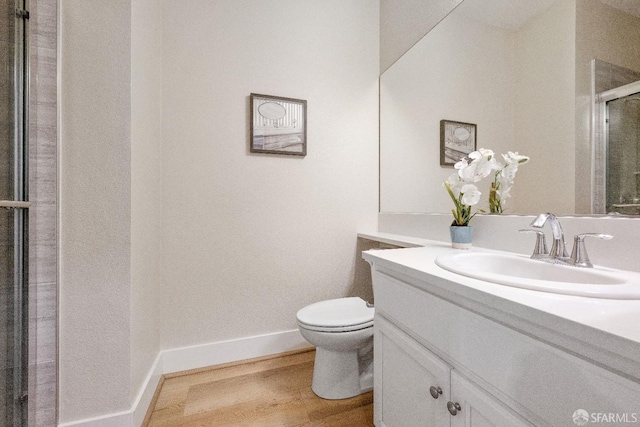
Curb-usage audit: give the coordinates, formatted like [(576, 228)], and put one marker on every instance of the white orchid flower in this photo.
[(508, 173), (477, 170), (503, 192), (468, 173), (476, 166), (453, 179), (470, 194), (461, 164), (485, 166), (516, 158), (486, 153), (474, 155), (454, 184), (505, 177), (483, 162)]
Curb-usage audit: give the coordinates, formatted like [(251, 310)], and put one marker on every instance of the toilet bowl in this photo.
[(342, 331)]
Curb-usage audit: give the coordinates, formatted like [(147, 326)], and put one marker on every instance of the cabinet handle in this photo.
[(453, 408), (435, 391)]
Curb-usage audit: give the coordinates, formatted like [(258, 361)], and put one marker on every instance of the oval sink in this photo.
[(522, 272)]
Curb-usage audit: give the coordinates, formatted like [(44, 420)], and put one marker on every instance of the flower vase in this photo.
[(461, 236)]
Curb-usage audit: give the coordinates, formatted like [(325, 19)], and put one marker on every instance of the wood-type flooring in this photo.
[(265, 392)]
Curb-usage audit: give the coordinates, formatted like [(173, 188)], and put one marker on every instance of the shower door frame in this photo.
[(599, 193), (19, 204)]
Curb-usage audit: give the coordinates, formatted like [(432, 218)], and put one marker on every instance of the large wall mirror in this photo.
[(527, 74)]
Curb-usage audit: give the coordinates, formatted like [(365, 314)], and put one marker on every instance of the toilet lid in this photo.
[(337, 313)]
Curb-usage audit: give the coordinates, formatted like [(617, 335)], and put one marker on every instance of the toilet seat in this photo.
[(336, 315)]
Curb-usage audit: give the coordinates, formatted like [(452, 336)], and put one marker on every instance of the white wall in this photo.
[(95, 201), (172, 234), (249, 239), (146, 186), (462, 71), (545, 111)]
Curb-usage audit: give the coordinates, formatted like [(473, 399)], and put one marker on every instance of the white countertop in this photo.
[(395, 239), (604, 329)]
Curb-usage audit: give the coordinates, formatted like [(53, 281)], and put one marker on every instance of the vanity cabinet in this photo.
[(414, 387), (485, 370), (406, 374), (477, 408)]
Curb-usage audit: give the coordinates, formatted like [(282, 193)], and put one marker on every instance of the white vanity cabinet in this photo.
[(489, 372), (477, 408), (406, 375), (414, 387)]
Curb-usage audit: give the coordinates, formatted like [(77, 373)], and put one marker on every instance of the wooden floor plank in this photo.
[(283, 410), (262, 393), (322, 408), (177, 387), (257, 387), (357, 417)]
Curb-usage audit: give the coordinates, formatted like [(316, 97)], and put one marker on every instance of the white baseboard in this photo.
[(199, 356), (183, 359), (148, 389), (120, 419)]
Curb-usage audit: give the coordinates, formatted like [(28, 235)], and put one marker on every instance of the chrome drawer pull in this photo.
[(453, 408), (435, 391)]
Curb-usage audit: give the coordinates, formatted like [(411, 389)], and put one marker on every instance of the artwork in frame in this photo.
[(457, 139), (278, 125)]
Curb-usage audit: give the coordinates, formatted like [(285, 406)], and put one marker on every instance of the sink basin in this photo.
[(522, 272)]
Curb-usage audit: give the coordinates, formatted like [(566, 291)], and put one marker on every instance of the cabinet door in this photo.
[(404, 373), (477, 408)]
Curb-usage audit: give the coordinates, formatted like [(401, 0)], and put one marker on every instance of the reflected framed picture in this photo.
[(278, 125), (457, 139)]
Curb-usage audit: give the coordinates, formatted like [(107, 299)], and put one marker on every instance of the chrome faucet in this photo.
[(558, 250), (558, 253)]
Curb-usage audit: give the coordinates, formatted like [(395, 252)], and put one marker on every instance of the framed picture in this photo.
[(457, 139), (278, 125)]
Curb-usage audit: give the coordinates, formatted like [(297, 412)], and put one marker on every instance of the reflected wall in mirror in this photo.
[(521, 71)]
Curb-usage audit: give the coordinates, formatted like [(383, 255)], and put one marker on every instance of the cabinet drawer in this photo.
[(541, 382)]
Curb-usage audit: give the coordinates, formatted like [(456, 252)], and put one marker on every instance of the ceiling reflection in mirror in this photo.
[(527, 74)]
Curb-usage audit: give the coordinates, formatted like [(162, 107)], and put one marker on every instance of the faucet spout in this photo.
[(559, 248)]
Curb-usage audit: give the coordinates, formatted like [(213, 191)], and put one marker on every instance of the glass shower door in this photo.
[(623, 155), (13, 213)]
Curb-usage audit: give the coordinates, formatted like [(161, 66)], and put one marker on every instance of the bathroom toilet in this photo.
[(342, 331)]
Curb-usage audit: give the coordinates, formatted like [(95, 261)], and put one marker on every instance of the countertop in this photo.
[(603, 331)]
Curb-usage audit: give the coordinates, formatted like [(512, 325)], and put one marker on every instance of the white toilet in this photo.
[(342, 331)]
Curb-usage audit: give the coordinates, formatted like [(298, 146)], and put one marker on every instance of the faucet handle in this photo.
[(579, 256), (540, 250)]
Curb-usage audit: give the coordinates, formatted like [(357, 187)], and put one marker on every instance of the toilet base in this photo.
[(342, 374)]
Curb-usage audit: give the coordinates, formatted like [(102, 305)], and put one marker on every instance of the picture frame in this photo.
[(278, 125), (457, 140)]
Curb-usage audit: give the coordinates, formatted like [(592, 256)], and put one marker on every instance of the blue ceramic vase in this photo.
[(461, 236)]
